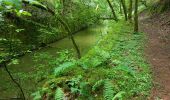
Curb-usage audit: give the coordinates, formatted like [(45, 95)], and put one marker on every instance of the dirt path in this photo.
[(158, 52)]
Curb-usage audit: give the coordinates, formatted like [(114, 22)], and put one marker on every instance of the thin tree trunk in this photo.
[(130, 10), (120, 7), (136, 17), (124, 9), (19, 86), (71, 36), (113, 11), (63, 23)]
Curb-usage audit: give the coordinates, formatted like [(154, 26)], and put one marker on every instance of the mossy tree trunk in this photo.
[(136, 17), (113, 11)]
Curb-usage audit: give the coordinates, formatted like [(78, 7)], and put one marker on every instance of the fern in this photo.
[(108, 90), (36, 95), (119, 95), (59, 94), (64, 67), (97, 84), (125, 69)]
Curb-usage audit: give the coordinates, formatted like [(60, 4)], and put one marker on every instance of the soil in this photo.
[(157, 51)]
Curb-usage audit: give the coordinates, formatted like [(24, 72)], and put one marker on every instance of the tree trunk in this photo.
[(130, 10), (71, 36), (18, 85), (113, 11), (124, 9), (120, 7), (136, 17), (63, 23)]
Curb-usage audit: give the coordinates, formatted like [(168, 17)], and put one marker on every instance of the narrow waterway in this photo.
[(85, 39)]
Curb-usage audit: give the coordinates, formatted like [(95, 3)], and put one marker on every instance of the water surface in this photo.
[(85, 39)]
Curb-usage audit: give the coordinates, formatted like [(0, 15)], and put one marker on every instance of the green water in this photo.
[(85, 39)]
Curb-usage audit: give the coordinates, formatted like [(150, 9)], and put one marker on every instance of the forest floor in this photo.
[(157, 28)]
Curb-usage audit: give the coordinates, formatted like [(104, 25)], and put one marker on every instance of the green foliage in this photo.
[(9, 41), (37, 95), (74, 85), (40, 28), (119, 95), (13, 7), (101, 57), (11, 3), (22, 13), (98, 84), (59, 94), (108, 90), (64, 68), (113, 69), (34, 2), (63, 63), (117, 62), (47, 36), (14, 61), (79, 87)]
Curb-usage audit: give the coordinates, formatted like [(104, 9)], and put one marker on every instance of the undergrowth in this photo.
[(115, 69)]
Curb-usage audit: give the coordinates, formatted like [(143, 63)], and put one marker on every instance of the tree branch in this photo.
[(19, 86)]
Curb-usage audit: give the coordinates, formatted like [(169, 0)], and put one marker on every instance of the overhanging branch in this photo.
[(39, 6)]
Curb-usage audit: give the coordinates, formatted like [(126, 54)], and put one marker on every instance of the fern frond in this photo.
[(36, 95), (119, 95), (97, 84), (64, 67), (108, 90), (59, 94)]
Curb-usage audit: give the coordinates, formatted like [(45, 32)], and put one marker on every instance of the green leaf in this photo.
[(108, 90), (64, 67), (59, 94), (14, 3), (14, 62), (97, 84), (36, 95), (33, 2), (19, 30)]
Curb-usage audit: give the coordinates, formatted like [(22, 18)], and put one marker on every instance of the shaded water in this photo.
[(85, 40)]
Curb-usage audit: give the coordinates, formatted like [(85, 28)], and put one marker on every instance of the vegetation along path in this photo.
[(157, 28), (103, 58)]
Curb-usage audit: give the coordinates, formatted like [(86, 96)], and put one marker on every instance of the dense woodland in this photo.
[(75, 49)]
